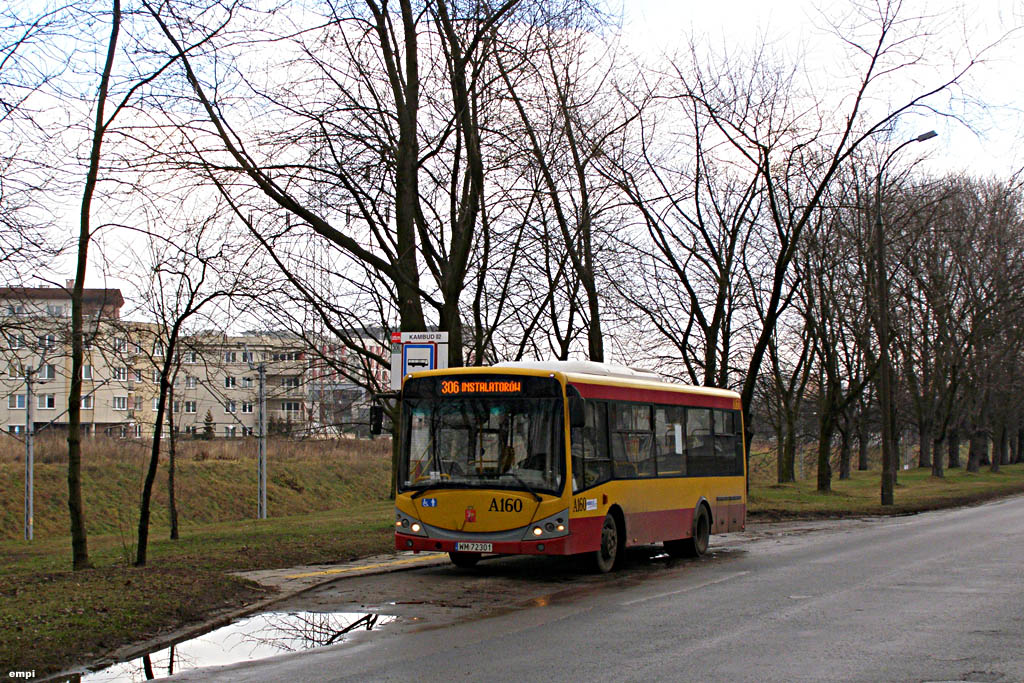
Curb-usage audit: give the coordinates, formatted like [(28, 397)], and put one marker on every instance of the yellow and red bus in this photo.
[(565, 458)]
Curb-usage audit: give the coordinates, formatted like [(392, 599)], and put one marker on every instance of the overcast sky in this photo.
[(993, 147)]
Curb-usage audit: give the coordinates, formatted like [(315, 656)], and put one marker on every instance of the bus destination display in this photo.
[(453, 387)]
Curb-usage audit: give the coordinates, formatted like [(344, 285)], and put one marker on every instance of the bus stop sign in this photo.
[(413, 351)]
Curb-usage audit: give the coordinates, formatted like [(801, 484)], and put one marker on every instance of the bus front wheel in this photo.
[(464, 560), (606, 556), (696, 545)]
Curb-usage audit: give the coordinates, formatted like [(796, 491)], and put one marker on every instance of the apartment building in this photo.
[(310, 388)]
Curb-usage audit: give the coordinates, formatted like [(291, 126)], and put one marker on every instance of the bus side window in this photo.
[(590, 462), (700, 454), (728, 457), (632, 441), (670, 447)]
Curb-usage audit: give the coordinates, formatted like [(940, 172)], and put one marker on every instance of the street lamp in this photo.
[(885, 400)]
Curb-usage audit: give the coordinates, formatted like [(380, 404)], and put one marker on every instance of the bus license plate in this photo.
[(474, 547)]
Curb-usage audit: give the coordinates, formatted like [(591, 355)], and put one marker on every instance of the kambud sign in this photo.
[(415, 351)]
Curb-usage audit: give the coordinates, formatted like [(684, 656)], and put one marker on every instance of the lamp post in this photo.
[(885, 399), (261, 443)]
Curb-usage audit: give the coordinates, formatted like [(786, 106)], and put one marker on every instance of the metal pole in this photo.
[(262, 457), (890, 458), (29, 456)]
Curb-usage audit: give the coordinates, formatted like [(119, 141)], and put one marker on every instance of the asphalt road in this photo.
[(932, 597)]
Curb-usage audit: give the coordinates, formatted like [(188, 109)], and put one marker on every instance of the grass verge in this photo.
[(916, 491)]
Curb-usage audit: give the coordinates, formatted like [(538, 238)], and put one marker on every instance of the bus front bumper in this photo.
[(551, 546)]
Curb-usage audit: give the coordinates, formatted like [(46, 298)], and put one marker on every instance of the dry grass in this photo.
[(215, 481)]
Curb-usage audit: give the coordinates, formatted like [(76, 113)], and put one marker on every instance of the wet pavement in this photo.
[(317, 605)]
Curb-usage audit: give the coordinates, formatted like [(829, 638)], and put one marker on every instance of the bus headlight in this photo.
[(408, 525), (550, 527)]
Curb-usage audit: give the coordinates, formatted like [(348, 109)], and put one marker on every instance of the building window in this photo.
[(191, 382), (230, 407), (156, 403), (47, 372), (229, 382), (137, 403), (16, 429), (230, 357), (291, 382), (230, 431), (288, 355), (47, 401), (47, 341), (158, 349), (54, 310), (16, 341), (290, 406), (137, 374), (86, 372), (15, 309), (120, 374), (13, 371), (120, 403), (247, 431), (87, 342), (247, 382), (190, 407), (177, 406), (87, 402), (189, 357), (191, 429), (156, 376), (120, 344), (247, 357), (247, 407), (16, 401), (138, 431)]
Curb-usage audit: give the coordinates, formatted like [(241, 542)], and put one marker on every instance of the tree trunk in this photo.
[(978, 449), (172, 506), (862, 443), (826, 425), (1000, 457), (924, 454), (937, 460), (787, 470), (79, 543), (845, 454), (953, 444)]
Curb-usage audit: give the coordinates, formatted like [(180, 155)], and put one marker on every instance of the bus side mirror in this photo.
[(577, 414), (376, 420)]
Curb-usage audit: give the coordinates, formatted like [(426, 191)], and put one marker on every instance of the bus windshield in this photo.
[(483, 442)]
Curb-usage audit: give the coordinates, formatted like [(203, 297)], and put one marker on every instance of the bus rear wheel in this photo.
[(696, 545), (605, 557), (464, 560)]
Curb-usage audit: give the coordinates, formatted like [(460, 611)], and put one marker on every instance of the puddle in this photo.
[(252, 638)]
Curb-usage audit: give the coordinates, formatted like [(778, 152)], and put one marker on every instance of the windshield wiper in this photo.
[(521, 482)]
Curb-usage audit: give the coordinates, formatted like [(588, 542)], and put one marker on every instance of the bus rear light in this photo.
[(416, 527), (537, 531)]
